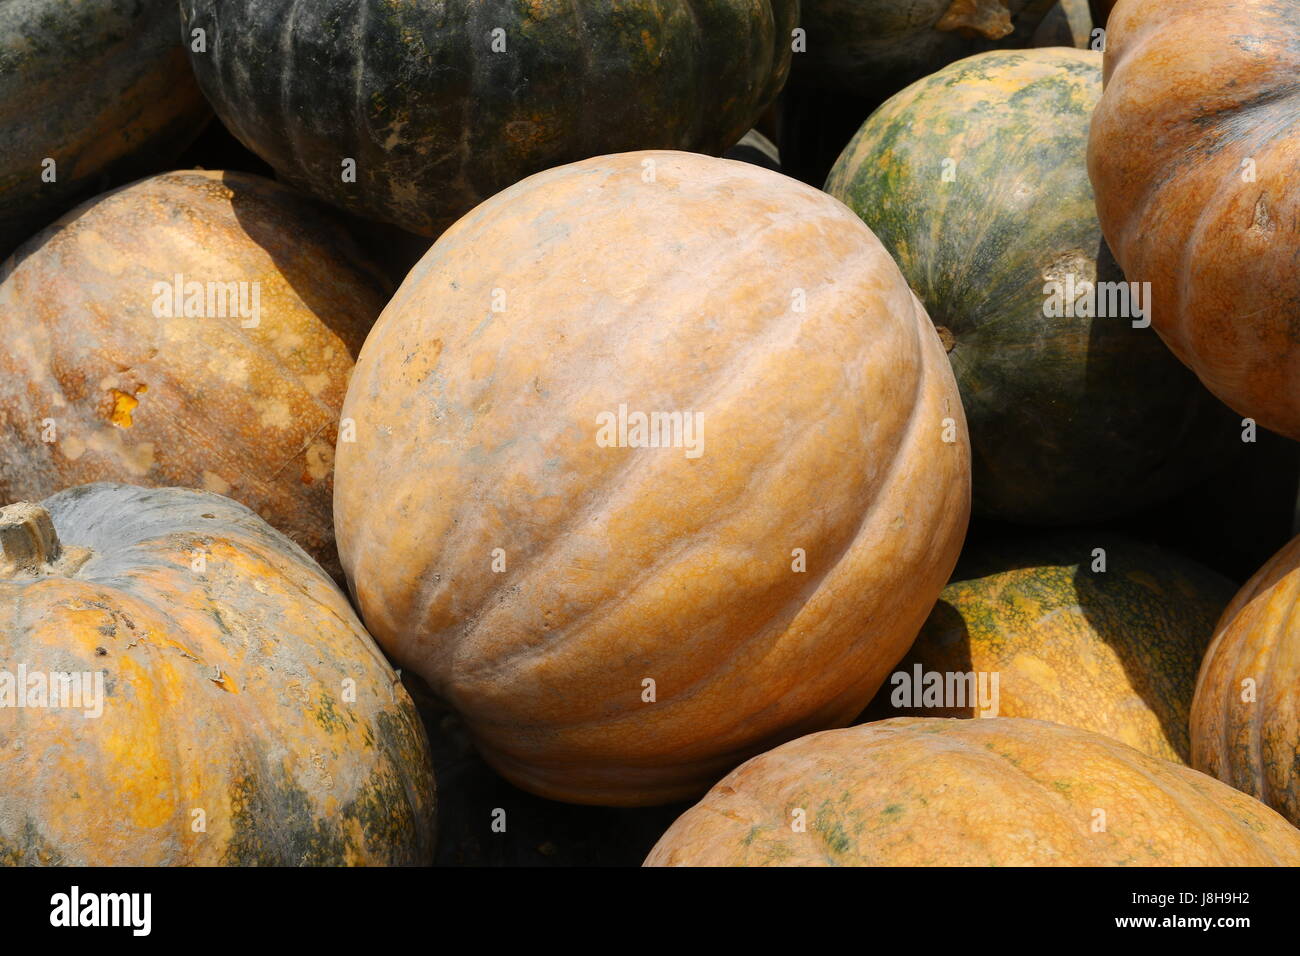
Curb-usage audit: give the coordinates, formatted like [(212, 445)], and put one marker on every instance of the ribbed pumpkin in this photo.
[(619, 623), (233, 710), (103, 375), (875, 47), (1195, 153), (441, 105), (1107, 642), (1246, 717), (997, 792), (975, 180), (102, 88)]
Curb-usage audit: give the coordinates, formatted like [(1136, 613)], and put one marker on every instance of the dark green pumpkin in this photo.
[(102, 87), (1090, 629), (438, 117), (1071, 418), (875, 47)]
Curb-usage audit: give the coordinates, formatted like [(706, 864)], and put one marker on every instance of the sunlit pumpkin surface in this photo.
[(1000, 791), (247, 717), (1109, 642), (105, 377), (1195, 153)]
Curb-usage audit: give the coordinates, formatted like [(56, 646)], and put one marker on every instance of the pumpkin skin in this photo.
[(1194, 154), (478, 430), (1072, 418), (113, 94), (226, 689), (1255, 744), (197, 402), (1001, 791), (876, 47), (1114, 651), (437, 121)]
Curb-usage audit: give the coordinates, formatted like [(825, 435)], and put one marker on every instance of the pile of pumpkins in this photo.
[(651, 471)]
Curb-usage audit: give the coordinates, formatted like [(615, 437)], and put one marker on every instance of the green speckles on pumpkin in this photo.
[(29, 849), (327, 715)]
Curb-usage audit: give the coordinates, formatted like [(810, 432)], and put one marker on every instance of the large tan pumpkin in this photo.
[(624, 624), (1246, 713), (103, 377), (1001, 791), (234, 711), (1194, 155)]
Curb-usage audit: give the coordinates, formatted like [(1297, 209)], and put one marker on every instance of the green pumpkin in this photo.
[(975, 180), (875, 47), (1089, 629), (441, 105), (100, 87)]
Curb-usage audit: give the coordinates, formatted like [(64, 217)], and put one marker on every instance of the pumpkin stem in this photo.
[(29, 545)]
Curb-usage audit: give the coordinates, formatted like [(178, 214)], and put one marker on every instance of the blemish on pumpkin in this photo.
[(1262, 221), (122, 405), (73, 448), (276, 415), (946, 337), (215, 483)]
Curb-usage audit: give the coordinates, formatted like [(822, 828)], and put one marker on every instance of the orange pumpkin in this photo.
[(622, 624), (1246, 713), (1194, 154), (1002, 791), (193, 329), (1037, 627), (227, 707)]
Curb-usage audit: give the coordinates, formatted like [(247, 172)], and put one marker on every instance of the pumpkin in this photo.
[(975, 180), (876, 47), (415, 112), (108, 373), (89, 90), (1246, 716), (1194, 154), (619, 616), (1003, 791), (226, 706), (1053, 630)]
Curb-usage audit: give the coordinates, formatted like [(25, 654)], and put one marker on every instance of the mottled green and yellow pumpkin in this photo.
[(229, 708), (1195, 154), (621, 623), (1246, 717), (975, 180), (1090, 629), (90, 90), (415, 112), (193, 329), (998, 792), (875, 47)]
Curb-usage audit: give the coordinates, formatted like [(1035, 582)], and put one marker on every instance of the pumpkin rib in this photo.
[(624, 474), (727, 378), (782, 622), (1263, 780)]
